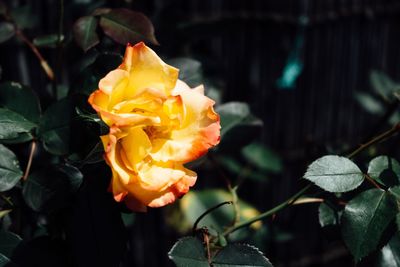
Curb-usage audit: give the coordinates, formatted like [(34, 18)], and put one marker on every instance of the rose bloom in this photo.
[(157, 124)]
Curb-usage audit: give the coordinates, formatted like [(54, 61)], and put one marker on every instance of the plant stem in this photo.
[(375, 140), (28, 166), (207, 212), (45, 66), (369, 179), (269, 212)]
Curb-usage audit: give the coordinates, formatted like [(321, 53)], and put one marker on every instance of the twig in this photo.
[(375, 140), (28, 166), (269, 212), (207, 212), (369, 179)]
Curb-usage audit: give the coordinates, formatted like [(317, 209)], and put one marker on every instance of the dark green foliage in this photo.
[(10, 172), (51, 188), (55, 127), (126, 26), (85, 32), (364, 220)]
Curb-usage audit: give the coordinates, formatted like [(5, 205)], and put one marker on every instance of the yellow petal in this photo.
[(147, 70), (199, 130), (136, 146)]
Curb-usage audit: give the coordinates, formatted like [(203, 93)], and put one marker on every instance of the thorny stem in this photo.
[(28, 166), (369, 179), (375, 140), (43, 63), (269, 212), (45, 66), (293, 199)]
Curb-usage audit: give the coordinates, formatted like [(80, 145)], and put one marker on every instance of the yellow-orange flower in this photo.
[(157, 124)]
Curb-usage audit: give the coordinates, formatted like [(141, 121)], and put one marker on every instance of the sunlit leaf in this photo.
[(385, 170), (7, 31), (10, 172), (334, 174), (85, 32), (188, 251), (239, 255), (126, 26), (364, 220)]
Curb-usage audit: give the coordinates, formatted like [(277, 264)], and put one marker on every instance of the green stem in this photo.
[(375, 140), (269, 212)]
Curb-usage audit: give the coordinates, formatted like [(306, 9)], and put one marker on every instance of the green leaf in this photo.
[(382, 83), (190, 70), (385, 170), (390, 254), (262, 157), (239, 255), (13, 124), (7, 31), (10, 172), (334, 174), (20, 99), (364, 220), (4, 213), (49, 40), (233, 114), (369, 103), (8, 242), (188, 251), (126, 26), (395, 191), (5, 262), (327, 216), (24, 17), (54, 129), (89, 78), (51, 188), (85, 32)]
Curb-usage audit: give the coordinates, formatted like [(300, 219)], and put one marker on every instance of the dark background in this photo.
[(244, 47)]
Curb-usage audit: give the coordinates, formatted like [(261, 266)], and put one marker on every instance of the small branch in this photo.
[(207, 212), (28, 166), (268, 213), (45, 66), (369, 179), (375, 140), (307, 200)]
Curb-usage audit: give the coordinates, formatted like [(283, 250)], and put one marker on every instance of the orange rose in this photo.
[(157, 124)]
